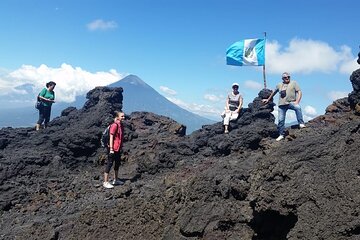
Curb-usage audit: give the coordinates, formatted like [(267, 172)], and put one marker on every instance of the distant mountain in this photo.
[(139, 96)]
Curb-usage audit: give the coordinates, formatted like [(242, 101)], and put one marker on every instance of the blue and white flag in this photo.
[(248, 52)]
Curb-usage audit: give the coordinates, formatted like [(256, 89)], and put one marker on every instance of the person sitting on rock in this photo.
[(233, 106), (115, 144), (290, 96)]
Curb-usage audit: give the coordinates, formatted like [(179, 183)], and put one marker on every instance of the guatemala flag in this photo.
[(248, 52)]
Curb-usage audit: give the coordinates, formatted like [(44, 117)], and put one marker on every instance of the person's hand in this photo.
[(265, 100), (296, 103), (111, 153)]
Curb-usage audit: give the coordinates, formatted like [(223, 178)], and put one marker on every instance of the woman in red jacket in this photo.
[(115, 144)]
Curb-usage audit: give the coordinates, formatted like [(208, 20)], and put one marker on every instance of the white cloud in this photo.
[(168, 90), (200, 109), (349, 66), (70, 81), (100, 24), (7, 86), (334, 95), (307, 56), (309, 110), (212, 97), (253, 85)]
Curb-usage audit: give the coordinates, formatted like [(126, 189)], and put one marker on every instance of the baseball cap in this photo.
[(235, 84)]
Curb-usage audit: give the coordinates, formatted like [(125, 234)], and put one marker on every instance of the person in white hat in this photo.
[(233, 106), (290, 96)]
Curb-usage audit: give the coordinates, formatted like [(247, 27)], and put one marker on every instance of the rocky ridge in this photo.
[(206, 185)]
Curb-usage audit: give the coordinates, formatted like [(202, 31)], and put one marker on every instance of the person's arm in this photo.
[(111, 143), (271, 96), (46, 99), (298, 97), (227, 104), (42, 96), (240, 103), (111, 140), (121, 129)]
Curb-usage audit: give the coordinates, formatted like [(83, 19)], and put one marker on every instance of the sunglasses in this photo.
[(235, 87), (285, 77)]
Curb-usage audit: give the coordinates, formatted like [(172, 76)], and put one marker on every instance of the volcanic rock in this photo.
[(207, 185), (354, 96)]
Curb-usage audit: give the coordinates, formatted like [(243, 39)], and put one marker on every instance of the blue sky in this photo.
[(177, 47)]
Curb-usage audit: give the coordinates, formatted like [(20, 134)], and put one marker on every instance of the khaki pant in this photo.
[(229, 116)]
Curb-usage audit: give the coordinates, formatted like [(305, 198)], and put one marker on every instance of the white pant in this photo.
[(228, 116)]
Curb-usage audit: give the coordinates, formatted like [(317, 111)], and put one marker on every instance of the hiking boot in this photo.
[(117, 182), (302, 125), (107, 185), (279, 138)]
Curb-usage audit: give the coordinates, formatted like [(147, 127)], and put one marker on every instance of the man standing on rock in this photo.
[(115, 144), (290, 96)]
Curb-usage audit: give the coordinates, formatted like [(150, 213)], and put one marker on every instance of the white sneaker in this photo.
[(107, 185), (117, 182), (302, 125), (281, 137)]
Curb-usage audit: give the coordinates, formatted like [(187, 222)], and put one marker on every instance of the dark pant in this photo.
[(44, 115), (111, 158)]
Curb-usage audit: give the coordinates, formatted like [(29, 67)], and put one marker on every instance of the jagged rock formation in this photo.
[(354, 96), (208, 185)]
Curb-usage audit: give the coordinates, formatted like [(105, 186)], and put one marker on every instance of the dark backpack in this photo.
[(105, 136)]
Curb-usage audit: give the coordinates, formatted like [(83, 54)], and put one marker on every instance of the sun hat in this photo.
[(235, 84)]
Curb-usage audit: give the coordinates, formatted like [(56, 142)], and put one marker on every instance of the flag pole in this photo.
[(264, 75)]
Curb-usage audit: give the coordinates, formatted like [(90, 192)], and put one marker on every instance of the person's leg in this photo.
[(117, 181), (226, 121), (106, 177), (281, 117), (47, 116), (234, 116), (108, 166), (41, 118), (117, 157), (223, 114), (298, 112)]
